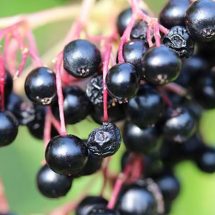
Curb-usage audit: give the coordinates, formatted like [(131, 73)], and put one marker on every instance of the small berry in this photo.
[(146, 108), (140, 140), (40, 86), (66, 155), (200, 20), (8, 128), (123, 81), (179, 41), (161, 65), (89, 203), (179, 125), (104, 141), (139, 31), (81, 58), (51, 184)]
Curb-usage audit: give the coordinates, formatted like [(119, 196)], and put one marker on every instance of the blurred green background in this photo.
[(20, 162)]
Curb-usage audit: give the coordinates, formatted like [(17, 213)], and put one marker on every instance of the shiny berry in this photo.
[(123, 81), (122, 20), (179, 125), (76, 105), (161, 65), (146, 108), (89, 203), (206, 160), (104, 141), (179, 41), (51, 184), (140, 140), (40, 86), (66, 154), (137, 200), (133, 52), (174, 13), (8, 128), (169, 186), (81, 58), (200, 20), (139, 31)]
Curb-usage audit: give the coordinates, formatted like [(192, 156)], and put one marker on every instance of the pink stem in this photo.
[(56, 124), (60, 93), (106, 61), (149, 36), (4, 207), (47, 127), (157, 34), (2, 83), (175, 88)]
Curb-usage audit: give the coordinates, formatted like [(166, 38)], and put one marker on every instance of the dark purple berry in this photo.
[(174, 13), (89, 203), (179, 125), (66, 155), (200, 20), (161, 65), (140, 140), (133, 52), (139, 31), (40, 86), (104, 141), (8, 128), (123, 20), (51, 184), (179, 41), (81, 58), (123, 81), (146, 108)]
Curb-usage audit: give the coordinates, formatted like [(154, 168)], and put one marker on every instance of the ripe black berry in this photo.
[(206, 160), (66, 154), (179, 125), (161, 65), (169, 186), (123, 81), (76, 105), (81, 58), (139, 31), (179, 41), (40, 86), (133, 52), (8, 128), (146, 108), (8, 84), (105, 140), (135, 199), (123, 20), (174, 13), (200, 20), (140, 140), (89, 203), (51, 184)]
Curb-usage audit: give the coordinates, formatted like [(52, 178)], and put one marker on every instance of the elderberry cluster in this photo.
[(159, 92)]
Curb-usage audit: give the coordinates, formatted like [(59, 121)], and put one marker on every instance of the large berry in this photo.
[(8, 128), (123, 81), (174, 13), (105, 140), (200, 20), (66, 155), (146, 108), (40, 86), (51, 184), (89, 203), (81, 58), (140, 140), (161, 65)]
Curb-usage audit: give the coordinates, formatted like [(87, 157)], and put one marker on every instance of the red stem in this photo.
[(2, 83), (106, 61), (47, 127), (60, 93)]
